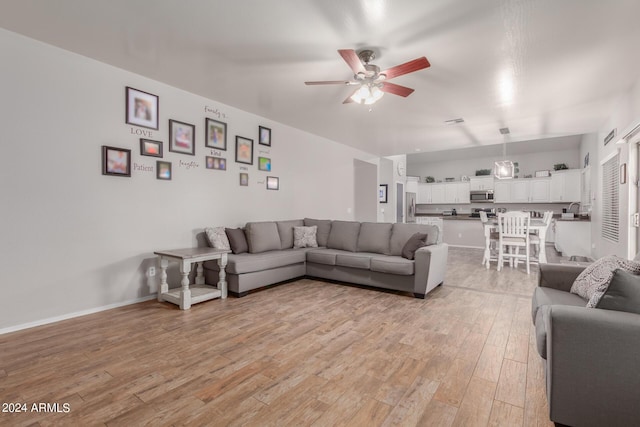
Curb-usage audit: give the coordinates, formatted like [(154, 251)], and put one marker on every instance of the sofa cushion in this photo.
[(217, 238), (550, 296), (285, 230), (623, 293), (305, 237), (248, 263), (392, 264), (323, 256), (262, 236), (237, 240), (414, 243), (541, 330), (593, 282), (401, 233), (355, 260), (344, 235), (324, 227), (374, 237)]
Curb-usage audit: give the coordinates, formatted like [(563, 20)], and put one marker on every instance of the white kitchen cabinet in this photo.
[(573, 237), (519, 191), (412, 184), (456, 192), (479, 184), (565, 186), (502, 192), (424, 193), (437, 193)]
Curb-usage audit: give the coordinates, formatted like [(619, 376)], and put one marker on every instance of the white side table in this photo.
[(199, 292)]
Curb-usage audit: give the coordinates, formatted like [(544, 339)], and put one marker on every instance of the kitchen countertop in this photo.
[(468, 217)]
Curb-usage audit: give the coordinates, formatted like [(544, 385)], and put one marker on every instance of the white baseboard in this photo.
[(465, 246), (76, 314)]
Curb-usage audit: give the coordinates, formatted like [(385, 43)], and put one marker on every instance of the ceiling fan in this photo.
[(372, 82)]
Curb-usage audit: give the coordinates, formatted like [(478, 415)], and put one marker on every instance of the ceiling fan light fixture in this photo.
[(367, 94)]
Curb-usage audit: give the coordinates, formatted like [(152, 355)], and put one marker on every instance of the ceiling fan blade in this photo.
[(351, 58), (328, 82), (406, 68), (396, 89)]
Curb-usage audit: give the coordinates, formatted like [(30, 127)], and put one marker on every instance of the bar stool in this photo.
[(491, 240)]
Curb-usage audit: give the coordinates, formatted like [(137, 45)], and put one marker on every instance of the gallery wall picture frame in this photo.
[(142, 108), (149, 147), (217, 163), (273, 183), (163, 170), (215, 134), (182, 137), (244, 179), (116, 161), (264, 164), (382, 193), (264, 136), (244, 150)]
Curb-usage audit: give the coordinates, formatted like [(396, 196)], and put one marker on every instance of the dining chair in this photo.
[(513, 232), (534, 238), (491, 241)]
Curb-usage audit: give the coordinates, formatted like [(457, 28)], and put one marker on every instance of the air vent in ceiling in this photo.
[(454, 121), (505, 131)]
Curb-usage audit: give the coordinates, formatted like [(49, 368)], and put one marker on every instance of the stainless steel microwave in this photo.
[(481, 196)]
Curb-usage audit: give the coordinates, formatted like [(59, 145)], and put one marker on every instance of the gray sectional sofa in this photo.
[(349, 251)]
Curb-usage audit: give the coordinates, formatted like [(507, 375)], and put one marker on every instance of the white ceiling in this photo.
[(544, 68)]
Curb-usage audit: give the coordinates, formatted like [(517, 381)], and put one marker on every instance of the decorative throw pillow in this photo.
[(593, 282), (305, 237), (414, 243), (623, 293), (237, 240), (217, 238)]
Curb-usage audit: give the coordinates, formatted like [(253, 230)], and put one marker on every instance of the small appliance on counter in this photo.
[(491, 212)]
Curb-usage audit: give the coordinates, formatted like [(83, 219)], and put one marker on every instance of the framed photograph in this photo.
[(150, 148), (382, 193), (163, 170), (244, 179), (216, 134), (142, 108), (244, 150), (218, 163), (116, 161), (264, 164), (265, 136), (182, 137), (273, 183)]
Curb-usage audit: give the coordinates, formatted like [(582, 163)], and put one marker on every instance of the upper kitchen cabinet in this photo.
[(456, 192), (412, 184), (481, 183), (530, 190), (430, 193), (565, 186)]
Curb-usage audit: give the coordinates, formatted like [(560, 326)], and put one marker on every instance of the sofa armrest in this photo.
[(430, 267), (592, 366), (558, 276)]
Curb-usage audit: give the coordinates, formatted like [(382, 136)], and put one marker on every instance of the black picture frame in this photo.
[(382, 193), (264, 164), (273, 183), (163, 170), (182, 137), (142, 108), (244, 150), (264, 136), (216, 163), (151, 148), (116, 161), (213, 139)]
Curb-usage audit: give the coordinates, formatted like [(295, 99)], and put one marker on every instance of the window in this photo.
[(610, 199)]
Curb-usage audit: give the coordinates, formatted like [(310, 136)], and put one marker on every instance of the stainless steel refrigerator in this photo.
[(411, 207)]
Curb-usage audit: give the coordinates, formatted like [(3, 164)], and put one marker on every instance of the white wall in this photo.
[(527, 163), (73, 240)]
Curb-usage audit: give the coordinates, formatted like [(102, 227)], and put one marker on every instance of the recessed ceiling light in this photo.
[(505, 131), (418, 149), (454, 121)]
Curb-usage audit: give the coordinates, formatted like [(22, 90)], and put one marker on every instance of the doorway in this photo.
[(399, 202)]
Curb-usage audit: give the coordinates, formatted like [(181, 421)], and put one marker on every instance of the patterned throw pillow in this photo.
[(305, 237), (217, 238), (593, 282)]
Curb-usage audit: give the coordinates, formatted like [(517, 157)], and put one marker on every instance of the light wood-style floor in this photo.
[(302, 353)]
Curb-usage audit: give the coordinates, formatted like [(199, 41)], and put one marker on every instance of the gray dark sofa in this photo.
[(592, 369), (349, 251)]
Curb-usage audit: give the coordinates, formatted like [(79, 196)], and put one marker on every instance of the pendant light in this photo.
[(504, 169)]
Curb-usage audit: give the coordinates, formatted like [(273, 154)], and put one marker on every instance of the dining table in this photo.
[(537, 225)]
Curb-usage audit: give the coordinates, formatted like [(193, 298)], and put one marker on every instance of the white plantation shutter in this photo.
[(611, 199)]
